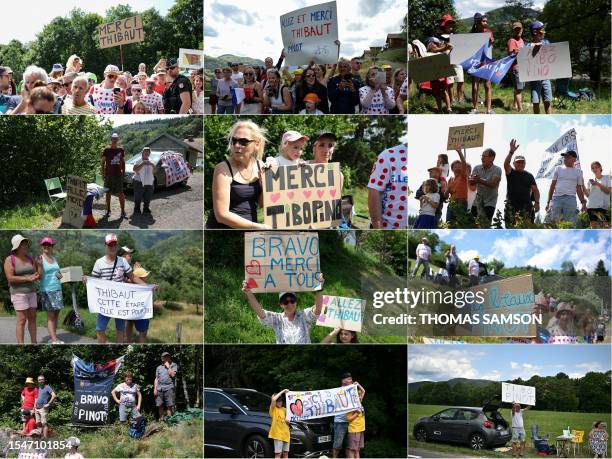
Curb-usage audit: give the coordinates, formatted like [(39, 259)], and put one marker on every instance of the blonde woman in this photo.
[(253, 94), (236, 189), (74, 64)]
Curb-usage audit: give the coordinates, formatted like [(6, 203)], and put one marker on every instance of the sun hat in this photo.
[(141, 272), (112, 70), (30, 381), (17, 240)]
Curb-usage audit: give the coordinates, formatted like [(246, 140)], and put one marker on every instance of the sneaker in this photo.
[(57, 341), (490, 112), (474, 111)]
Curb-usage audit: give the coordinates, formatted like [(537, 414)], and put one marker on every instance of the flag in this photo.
[(478, 58), (553, 158), (237, 96), (493, 71)]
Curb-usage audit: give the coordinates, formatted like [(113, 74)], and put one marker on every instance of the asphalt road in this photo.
[(7, 334)]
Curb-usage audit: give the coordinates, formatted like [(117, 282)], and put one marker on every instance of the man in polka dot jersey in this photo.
[(388, 189)]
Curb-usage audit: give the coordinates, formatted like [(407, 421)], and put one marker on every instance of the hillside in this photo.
[(503, 15), (452, 382), (212, 63)]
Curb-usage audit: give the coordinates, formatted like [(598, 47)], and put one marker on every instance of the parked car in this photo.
[(236, 424), (477, 427), (171, 169)]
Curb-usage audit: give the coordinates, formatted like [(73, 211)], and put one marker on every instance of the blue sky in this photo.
[(503, 362), (27, 19), (544, 248)]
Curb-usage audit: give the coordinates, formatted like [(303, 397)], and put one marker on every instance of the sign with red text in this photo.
[(544, 62), (309, 34), (341, 312), (304, 196), (121, 32)]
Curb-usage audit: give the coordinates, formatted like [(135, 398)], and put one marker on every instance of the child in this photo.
[(290, 150), (73, 443), (88, 219), (430, 200), (129, 399), (28, 399), (310, 101), (442, 163), (356, 428), (279, 430)]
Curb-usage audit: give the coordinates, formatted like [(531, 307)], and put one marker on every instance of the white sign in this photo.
[(345, 313), (119, 300), (465, 45), (553, 158), (191, 58), (321, 403), (544, 62), (71, 274), (309, 34), (525, 395)]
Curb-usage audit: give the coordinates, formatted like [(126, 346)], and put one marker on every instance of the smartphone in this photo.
[(381, 78), (116, 90)]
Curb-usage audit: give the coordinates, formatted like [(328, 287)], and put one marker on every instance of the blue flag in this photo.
[(493, 71), (479, 57)]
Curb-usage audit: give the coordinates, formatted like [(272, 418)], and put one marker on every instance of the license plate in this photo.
[(324, 439)]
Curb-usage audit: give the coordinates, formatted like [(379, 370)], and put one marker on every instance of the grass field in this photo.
[(32, 215), (502, 101), (549, 422)]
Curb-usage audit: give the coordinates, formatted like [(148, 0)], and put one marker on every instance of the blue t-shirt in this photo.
[(8, 103), (340, 418), (44, 395)]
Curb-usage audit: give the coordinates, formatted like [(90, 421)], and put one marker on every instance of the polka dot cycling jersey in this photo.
[(390, 175)]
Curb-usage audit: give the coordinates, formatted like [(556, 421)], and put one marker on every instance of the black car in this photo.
[(477, 427), (236, 424)]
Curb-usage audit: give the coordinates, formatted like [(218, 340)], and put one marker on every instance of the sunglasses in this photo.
[(249, 74), (136, 90), (112, 77), (310, 75), (241, 141), (289, 301), (111, 244)]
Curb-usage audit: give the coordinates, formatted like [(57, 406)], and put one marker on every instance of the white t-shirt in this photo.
[(428, 209), (423, 251), (237, 77), (597, 198), (390, 175), (104, 100), (282, 161), (377, 106), (517, 420), (103, 268), (144, 175), (567, 179), (474, 268), (154, 102), (128, 395)]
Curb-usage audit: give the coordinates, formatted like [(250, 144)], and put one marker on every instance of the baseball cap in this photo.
[(47, 241), (292, 136), (517, 25), (165, 354), (478, 16), (141, 272), (570, 153), (519, 158), (126, 249), (140, 74), (321, 134), (150, 80), (385, 66), (92, 76), (282, 295), (115, 135), (445, 19), (536, 25), (435, 168), (298, 71), (110, 239), (57, 68), (112, 70)]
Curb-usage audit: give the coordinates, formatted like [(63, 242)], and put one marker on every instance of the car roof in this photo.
[(475, 408), (234, 389)]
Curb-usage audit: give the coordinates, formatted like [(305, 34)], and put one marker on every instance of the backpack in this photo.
[(137, 427)]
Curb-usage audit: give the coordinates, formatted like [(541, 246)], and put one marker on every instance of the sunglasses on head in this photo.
[(241, 141)]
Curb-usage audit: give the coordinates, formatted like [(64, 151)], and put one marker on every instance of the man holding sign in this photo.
[(539, 87), (518, 430)]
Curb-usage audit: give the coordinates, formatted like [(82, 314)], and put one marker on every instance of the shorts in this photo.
[(51, 301), (102, 323), (425, 222), (543, 87), (516, 83), (141, 325), (355, 440), (599, 215), (439, 85), (458, 77), (124, 410), (281, 446), (340, 431), (212, 99), (165, 397), (518, 434), (114, 184), (41, 415), (24, 301)]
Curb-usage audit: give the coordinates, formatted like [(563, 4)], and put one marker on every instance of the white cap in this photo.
[(115, 135), (111, 237), (112, 69)]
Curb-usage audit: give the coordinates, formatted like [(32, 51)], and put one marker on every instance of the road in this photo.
[(7, 334)]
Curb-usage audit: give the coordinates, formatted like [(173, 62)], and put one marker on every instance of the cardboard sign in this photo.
[(465, 45), (191, 58), (310, 34), (321, 403), (76, 191), (121, 32), (302, 196), (119, 300), (553, 158), (469, 136), (71, 274), (338, 311), (280, 262), (430, 68), (545, 62), (525, 395)]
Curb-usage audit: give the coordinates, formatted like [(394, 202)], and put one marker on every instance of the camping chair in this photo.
[(564, 95), (577, 440), (99, 180), (52, 185), (539, 443)]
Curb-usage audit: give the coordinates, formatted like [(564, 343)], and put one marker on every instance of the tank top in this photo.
[(23, 269), (243, 200), (278, 100), (49, 281)]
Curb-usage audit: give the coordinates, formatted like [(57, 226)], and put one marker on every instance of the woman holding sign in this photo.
[(290, 326), (236, 189)]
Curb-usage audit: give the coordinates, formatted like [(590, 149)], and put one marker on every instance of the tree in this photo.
[(424, 16)]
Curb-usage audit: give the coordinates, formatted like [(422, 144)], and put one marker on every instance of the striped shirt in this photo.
[(70, 109), (103, 269)]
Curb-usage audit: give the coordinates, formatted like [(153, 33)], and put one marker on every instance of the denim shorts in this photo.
[(518, 434), (340, 432), (102, 323), (516, 83), (544, 87), (141, 325)]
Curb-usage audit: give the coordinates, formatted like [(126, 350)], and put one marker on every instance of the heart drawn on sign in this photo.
[(290, 194), (306, 193), (325, 299), (253, 267), (320, 193), (322, 318), (252, 283), (297, 408), (275, 197), (332, 192)]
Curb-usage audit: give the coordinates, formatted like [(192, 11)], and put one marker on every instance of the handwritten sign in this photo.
[(525, 395), (76, 191), (465, 45), (191, 58), (314, 404), (430, 68), (469, 136), (310, 34), (119, 300), (279, 262), (553, 158), (338, 311), (302, 196), (544, 62), (121, 32)]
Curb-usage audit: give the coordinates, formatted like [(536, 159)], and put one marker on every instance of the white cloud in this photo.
[(432, 365)]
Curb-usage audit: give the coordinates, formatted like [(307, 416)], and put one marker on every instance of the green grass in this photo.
[(552, 422), (31, 215), (502, 101)]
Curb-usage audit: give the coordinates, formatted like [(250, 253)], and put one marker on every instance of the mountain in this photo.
[(504, 15), (452, 382), (212, 63)]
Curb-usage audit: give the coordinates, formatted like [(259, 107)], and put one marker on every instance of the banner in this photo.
[(338, 311), (280, 262), (469, 136), (525, 395), (307, 196), (191, 58), (493, 71), (553, 158), (480, 57), (76, 191), (302, 406), (119, 300), (430, 68), (175, 167), (92, 391), (121, 32), (544, 62), (465, 45), (310, 34)]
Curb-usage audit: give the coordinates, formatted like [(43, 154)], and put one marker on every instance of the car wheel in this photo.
[(477, 442), (421, 434), (256, 446)]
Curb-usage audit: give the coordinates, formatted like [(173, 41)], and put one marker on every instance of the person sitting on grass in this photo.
[(518, 430), (356, 428), (279, 429)]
